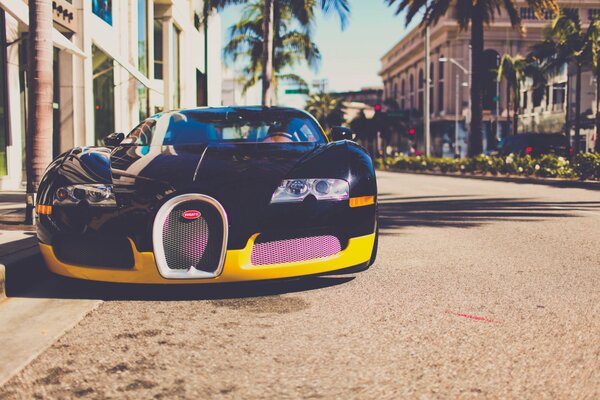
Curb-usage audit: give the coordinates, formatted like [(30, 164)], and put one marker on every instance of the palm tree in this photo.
[(515, 70), (289, 46), (303, 10), (567, 42), (208, 8), (320, 105), (473, 14), (39, 132)]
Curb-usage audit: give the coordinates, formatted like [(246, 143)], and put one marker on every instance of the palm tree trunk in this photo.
[(205, 13), (516, 98), (267, 55), (508, 108), (597, 144), (576, 148), (39, 135), (477, 41)]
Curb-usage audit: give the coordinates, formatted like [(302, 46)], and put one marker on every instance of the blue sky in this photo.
[(350, 58)]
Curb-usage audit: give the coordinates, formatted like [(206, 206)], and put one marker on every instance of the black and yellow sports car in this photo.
[(211, 195)]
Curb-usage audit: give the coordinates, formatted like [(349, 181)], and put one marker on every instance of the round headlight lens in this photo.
[(62, 194), (98, 194), (322, 187), (297, 187)]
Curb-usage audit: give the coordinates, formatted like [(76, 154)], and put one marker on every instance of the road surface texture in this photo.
[(481, 290)]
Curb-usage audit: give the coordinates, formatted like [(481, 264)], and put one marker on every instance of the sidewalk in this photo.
[(18, 245)]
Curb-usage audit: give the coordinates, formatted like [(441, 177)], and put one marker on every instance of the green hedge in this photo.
[(584, 166)]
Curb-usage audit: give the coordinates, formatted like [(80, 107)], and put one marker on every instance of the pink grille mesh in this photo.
[(294, 250), (184, 241)]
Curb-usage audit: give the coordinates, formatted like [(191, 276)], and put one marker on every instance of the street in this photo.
[(481, 289)]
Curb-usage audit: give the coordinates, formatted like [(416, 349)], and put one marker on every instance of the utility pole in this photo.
[(267, 53), (497, 100), (426, 113), (456, 100)]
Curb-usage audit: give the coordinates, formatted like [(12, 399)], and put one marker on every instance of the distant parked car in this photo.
[(534, 144)]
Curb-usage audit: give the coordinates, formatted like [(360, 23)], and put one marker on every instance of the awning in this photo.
[(20, 12)]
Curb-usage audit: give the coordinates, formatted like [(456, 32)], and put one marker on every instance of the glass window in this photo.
[(104, 95), (143, 101), (198, 127), (103, 9), (143, 36), (176, 66), (440, 99), (158, 49), (3, 98)]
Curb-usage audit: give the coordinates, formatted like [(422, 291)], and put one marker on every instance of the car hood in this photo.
[(202, 166)]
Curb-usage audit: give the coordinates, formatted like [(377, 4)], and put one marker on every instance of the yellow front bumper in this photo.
[(237, 266)]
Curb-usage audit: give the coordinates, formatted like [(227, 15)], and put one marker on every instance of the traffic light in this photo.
[(411, 131), (377, 107)]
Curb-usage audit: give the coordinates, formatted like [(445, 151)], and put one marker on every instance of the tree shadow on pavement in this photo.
[(471, 212), (59, 287)]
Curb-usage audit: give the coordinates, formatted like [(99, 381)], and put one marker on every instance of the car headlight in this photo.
[(296, 190), (99, 195)]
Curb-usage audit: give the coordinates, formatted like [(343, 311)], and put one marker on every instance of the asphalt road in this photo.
[(481, 290)]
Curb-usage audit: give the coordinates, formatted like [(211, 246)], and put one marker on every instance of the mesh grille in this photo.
[(294, 250), (193, 242)]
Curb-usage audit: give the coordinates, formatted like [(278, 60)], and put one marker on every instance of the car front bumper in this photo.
[(237, 267)]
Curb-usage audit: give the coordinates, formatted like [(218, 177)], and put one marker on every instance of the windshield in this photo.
[(199, 127)]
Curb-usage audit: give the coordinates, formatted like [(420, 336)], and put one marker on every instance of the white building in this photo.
[(115, 62)]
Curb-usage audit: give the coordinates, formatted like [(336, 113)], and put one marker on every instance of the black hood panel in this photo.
[(242, 177)]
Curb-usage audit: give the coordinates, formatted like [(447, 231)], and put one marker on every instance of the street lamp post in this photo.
[(456, 100), (456, 94), (426, 114)]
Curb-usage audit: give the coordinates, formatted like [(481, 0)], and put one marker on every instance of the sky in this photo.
[(350, 58)]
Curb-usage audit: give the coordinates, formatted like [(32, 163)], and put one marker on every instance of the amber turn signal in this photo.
[(43, 209), (361, 201)]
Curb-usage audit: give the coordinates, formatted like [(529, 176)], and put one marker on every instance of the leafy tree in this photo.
[(515, 70), (474, 15), (321, 105), (567, 42), (290, 46)]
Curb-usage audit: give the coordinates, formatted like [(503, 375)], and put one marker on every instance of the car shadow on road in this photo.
[(58, 287), (471, 212)]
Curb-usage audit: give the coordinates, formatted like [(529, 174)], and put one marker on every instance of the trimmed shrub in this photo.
[(585, 166)]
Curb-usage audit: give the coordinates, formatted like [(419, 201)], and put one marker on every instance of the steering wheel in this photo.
[(278, 137)]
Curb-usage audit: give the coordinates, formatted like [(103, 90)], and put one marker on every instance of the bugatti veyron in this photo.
[(211, 195)]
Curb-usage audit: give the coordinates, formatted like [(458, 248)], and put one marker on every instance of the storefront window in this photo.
[(3, 98), (158, 49), (103, 9), (176, 66), (143, 99), (143, 37), (104, 95)]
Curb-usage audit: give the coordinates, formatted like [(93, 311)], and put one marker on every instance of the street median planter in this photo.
[(584, 171)]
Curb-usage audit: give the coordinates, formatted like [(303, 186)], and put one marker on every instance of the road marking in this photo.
[(474, 317)]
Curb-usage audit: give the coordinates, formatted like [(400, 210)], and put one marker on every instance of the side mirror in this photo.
[(342, 133), (114, 139)]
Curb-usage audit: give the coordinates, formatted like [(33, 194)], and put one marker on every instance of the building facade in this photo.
[(115, 63), (403, 75)]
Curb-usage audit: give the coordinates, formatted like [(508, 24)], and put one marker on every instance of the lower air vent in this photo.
[(295, 250)]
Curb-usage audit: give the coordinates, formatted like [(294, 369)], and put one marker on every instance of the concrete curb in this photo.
[(556, 182), (19, 268)]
